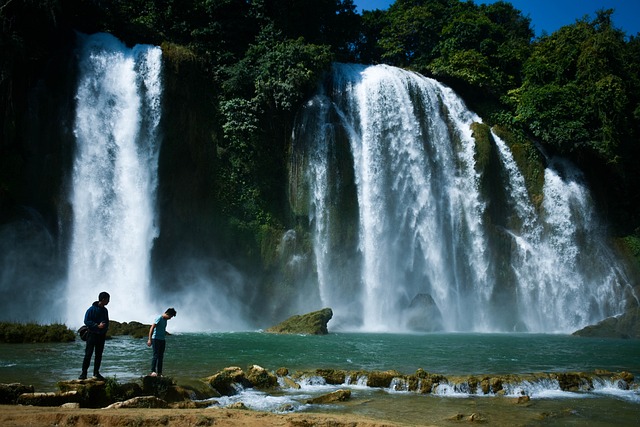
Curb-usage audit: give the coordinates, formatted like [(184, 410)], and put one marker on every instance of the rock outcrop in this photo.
[(164, 393), (9, 392), (314, 323), (626, 325)]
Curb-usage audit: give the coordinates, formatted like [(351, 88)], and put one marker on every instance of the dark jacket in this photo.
[(94, 316)]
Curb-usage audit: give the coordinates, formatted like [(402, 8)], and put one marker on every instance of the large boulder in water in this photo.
[(423, 314), (314, 323), (626, 325)]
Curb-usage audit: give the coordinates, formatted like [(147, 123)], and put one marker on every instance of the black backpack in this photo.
[(83, 332)]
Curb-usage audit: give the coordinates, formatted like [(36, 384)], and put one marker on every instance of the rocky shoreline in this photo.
[(163, 392), (160, 401)]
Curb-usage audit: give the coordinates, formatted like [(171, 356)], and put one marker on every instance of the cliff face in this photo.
[(37, 100)]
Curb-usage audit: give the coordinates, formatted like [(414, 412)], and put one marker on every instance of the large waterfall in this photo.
[(114, 177), (401, 230)]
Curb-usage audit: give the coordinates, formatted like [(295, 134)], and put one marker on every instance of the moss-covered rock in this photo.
[(314, 323), (260, 378), (381, 379), (529, 160), (332, 376)]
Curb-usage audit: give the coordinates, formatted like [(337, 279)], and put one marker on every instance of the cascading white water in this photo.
[(423, 255), (567, 277), (114, 177)]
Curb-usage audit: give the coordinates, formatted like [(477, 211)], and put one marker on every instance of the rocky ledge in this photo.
[(163, 392)]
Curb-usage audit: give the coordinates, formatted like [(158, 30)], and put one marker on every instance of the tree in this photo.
[(574, 94)]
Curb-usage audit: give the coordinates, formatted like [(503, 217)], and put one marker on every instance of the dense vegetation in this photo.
[(575, 92), (18, 333)]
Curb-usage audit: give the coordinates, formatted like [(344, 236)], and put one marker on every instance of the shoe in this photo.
[(153, 374), (82, 377), (98, 377)]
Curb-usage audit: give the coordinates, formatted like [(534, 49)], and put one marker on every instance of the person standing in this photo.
[(97, 320), (157, 333)]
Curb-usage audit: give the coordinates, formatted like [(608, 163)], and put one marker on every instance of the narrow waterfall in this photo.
[(423, 257), (114, 176)]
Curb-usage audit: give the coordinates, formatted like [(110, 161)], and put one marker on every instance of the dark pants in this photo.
[(158, 355), (94, 341)]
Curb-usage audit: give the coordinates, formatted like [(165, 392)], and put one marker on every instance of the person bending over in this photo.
[(156, 339)]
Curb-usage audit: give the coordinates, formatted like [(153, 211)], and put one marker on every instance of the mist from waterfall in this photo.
[(423, 260), (114, 177)]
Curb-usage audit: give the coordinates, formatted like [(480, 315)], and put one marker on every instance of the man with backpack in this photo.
[(97, 320)]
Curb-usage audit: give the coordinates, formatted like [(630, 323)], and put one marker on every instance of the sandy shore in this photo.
[(32, 416)]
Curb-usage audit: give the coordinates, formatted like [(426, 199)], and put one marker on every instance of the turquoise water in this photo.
[(192, 356)]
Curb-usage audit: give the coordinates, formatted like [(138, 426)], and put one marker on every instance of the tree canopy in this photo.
[(576, 91)]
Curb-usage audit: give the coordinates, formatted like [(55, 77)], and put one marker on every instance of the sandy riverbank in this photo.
[(32, 416)]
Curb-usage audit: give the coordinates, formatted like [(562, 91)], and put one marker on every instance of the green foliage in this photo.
[(480, 47), (135, 329), (263, 91), (574, 94), (632, 243), (16, 333)]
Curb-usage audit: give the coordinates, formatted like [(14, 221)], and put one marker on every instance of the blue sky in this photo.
[(549, 15)]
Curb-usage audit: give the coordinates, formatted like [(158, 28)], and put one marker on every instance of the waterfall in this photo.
[(114, 177), (424, 256), (567, 277)]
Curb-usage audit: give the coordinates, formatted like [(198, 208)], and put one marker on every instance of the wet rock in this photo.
[(381, 379), (287, 407), (98, 394), (336, 396), (314, 323), (477, 418), (48, 399), (573, 381), (625, 376), (522, 400), (289, 383), (223, 382), (9, 392), (236, 405), (166, 389), (332, 376), (140, 402), (260, 378)]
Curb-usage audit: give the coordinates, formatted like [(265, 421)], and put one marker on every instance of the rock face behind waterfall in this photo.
[(423, 314), (626, 325), (314, 323)]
